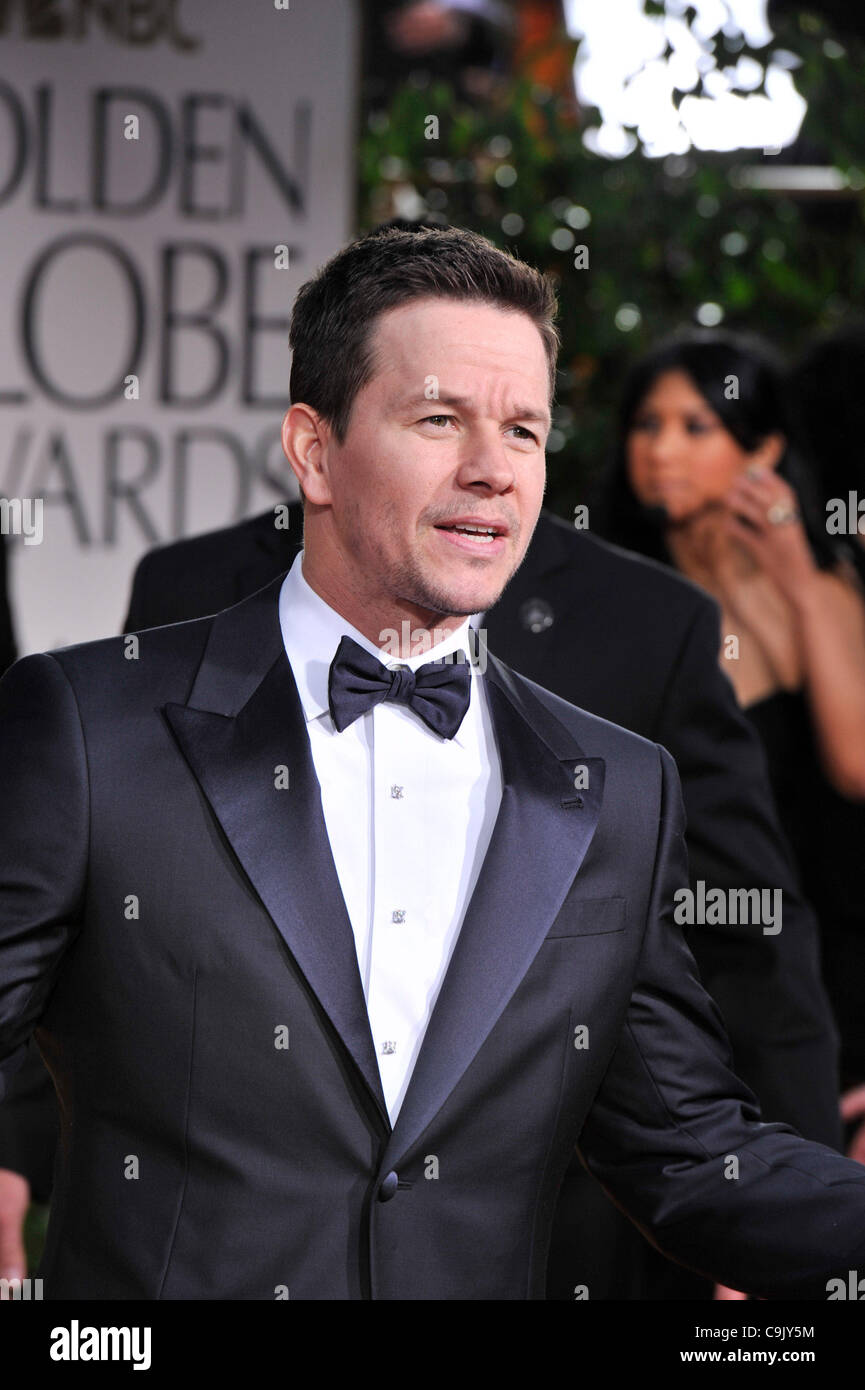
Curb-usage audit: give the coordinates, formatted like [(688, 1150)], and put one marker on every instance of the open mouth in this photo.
[(475, 540), (475, 532)]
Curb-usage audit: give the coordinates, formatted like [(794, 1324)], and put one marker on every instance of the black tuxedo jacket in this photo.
[(7, 639), (629, 640), (167, 908)]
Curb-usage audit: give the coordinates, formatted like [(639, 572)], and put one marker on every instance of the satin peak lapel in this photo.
[(242, 723)]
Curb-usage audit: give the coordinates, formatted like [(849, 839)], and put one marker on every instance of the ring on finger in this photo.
[(781, 514)]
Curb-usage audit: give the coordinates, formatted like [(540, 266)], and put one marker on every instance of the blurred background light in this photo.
[(630, 65)]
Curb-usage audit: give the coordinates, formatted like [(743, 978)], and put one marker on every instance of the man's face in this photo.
[(451, 428)]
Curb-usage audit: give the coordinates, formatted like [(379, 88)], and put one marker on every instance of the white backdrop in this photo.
[(148, 265)]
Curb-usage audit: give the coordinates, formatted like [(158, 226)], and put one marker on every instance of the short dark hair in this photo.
[(335, 313)]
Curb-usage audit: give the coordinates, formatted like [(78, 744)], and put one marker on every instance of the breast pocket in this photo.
[(589, 917)]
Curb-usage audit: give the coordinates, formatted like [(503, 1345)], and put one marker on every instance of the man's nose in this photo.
[(485, 459)]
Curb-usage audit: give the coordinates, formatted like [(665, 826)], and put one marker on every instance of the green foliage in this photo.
[(659, 230)]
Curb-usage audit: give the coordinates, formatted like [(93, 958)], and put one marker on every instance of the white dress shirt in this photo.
[(409, 816)]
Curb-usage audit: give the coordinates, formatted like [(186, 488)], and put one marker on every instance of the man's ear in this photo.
[(305, 438)]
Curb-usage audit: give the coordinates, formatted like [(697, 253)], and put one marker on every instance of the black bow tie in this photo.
[(438, 691)]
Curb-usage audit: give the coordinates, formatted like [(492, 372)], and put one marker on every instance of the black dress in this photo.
[(827, 835)]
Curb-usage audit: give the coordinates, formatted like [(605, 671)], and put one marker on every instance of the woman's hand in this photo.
[(14, 1201), (772, 531), (853, 1108), (830, 620)]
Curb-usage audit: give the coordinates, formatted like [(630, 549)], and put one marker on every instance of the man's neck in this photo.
[(402, 629)]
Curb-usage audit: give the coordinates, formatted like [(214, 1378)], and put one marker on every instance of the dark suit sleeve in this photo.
[(28, 1117), (44, 814), (138, 616), (7, 637), (28, 1126), (676, 1139), (768, 987), (179, 581)]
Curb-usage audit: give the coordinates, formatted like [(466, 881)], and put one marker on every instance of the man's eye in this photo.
[(430, 419)]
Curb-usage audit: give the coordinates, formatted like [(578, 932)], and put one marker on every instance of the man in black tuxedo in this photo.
[(631, 641), (201, 934), (659, 677)]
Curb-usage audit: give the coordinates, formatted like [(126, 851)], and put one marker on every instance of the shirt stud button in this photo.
[(388, 1048), (396, 793), (398, 914)]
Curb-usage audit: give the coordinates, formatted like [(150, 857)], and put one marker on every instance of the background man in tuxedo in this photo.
[(28, 1118), (499, 974)]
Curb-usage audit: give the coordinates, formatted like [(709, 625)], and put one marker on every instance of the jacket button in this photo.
[(388, 1188)]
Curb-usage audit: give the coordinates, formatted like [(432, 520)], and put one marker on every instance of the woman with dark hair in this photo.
[(707, 478)]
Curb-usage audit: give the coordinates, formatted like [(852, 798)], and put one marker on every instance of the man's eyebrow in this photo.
[(520, 412)]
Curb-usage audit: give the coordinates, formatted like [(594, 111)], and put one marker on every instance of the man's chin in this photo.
[(461, 601), (458, 590)]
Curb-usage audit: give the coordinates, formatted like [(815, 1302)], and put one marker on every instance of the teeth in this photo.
[(477, 530)]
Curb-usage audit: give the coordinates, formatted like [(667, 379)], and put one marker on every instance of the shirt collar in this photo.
[(311, 633)]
